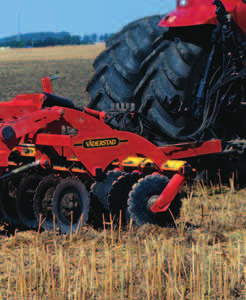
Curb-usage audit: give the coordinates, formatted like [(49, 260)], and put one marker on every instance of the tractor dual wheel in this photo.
[(24, 200), (42, 201), (143, 195), (118, 196), (118, 67), (70, 204)]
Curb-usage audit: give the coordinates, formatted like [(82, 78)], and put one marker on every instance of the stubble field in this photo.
[(203, 257)]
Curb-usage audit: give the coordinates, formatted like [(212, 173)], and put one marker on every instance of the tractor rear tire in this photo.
[(118, 67), (166, 91)]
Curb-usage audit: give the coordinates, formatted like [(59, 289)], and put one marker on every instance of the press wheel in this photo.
[(143, 195), (42, 201), (70, 204)]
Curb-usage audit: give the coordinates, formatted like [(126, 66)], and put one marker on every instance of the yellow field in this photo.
[(52, 53)]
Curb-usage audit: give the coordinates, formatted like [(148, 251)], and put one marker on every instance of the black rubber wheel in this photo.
[(165, 94), (96, 213), (100, 189), (118, 68), (8, 190), (24, 200), (42, 201), (70, 204), (143, 195), (118, 196)]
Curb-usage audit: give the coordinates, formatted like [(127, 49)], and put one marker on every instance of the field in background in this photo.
[(204, 257), (22, 69)]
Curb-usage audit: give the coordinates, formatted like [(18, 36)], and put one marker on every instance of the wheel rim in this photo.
[(42, 202), (70, 207), (70, 204), (150, 201)]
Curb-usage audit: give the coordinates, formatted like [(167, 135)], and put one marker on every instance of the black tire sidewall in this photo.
[(65, 184), (31, 181), (151, 185), (45, 184)]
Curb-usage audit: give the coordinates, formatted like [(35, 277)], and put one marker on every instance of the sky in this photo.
[(75, 16)]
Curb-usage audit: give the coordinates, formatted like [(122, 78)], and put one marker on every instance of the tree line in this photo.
[(46, 39)]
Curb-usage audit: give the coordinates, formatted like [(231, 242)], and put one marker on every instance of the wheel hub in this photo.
[(70, 206), (150, 202)]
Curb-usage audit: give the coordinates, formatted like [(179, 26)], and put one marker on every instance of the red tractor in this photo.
[(185, 72)]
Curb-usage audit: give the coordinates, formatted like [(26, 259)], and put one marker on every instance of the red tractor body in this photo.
[(200, 12)]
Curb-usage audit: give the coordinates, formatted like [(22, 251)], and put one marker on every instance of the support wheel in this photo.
[(70, 204), (142, 197), (42, 201), (24, 200), (118, 196)]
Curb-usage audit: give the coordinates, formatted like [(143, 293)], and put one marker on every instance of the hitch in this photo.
[(46, 83)]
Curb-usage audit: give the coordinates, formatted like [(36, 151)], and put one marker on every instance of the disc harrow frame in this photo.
[(50, 136)]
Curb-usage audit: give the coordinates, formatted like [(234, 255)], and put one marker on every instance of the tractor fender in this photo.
[(201, 12)]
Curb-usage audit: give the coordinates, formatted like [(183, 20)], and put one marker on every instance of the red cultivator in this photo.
[(59, 163)]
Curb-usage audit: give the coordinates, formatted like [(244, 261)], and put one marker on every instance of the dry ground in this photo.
[(22, 69), (204, 257)]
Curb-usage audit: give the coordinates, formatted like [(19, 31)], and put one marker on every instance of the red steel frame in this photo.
[(95, 145)]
